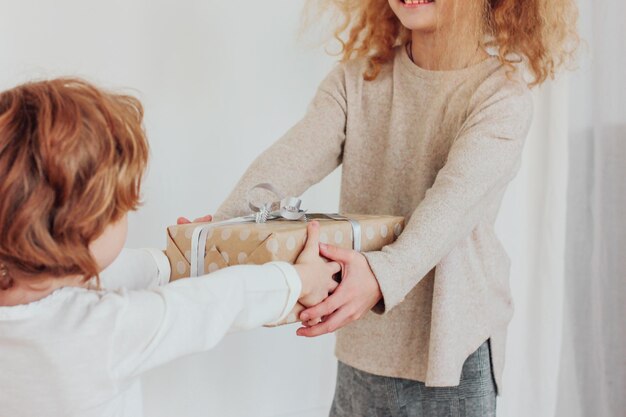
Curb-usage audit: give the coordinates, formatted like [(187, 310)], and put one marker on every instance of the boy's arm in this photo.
[(193, 315), (136, 269), (306, 154)]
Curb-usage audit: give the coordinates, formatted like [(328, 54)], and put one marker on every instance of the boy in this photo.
[(71, 161)]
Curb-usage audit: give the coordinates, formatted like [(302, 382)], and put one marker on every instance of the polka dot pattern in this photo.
[(213, 267), (384, 231), (273, 246), (338, 237), (226, 233), (241, 258), (291, 243), (369, 232), (244, 234), (181, 268), (226, 257), (323, 237)]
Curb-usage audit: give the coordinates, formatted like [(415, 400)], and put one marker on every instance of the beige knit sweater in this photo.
[(438, 147)]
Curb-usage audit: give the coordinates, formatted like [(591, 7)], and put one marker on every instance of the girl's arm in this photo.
[(482, 161), (308, 152), (136, 269), (484, 158)]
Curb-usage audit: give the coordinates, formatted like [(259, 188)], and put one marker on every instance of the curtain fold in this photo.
[(532, 228), (593, 361), (564, 224), (592, 378)]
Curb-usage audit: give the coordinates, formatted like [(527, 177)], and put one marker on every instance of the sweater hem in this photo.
[(367, 366)]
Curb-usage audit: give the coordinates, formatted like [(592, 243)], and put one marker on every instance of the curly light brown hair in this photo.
[(71, 162), (542, 33)]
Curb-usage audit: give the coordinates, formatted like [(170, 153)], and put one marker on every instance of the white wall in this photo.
[(220, 82)]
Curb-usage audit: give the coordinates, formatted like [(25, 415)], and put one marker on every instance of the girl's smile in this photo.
[(416, 3)]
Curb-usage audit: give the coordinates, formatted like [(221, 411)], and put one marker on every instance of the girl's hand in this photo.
[(204, 219), (315, 272), (356, 295)]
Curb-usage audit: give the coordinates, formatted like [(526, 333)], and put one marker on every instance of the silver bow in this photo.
[(289, 207)]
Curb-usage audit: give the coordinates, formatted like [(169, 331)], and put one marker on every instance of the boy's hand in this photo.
[(315, 272), (204, 219)]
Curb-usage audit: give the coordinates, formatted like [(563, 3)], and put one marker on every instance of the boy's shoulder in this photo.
[(67, 302)]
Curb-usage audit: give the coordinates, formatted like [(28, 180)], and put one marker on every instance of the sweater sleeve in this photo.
[(482, 160), (306, 154), (193, 315), (136, 269)]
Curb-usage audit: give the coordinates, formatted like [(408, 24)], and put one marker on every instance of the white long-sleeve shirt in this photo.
[(80, 352)]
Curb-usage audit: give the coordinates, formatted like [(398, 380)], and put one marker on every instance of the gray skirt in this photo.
[(361, 394)]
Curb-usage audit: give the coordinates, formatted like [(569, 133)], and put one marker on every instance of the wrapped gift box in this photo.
[(228, 244)]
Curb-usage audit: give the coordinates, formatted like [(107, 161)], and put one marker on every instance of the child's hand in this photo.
[(315, 272), (204, 219), (358, 293)]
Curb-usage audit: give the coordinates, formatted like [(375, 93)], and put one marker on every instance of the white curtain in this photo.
[(593, 364), (564, 222), (532, 228)]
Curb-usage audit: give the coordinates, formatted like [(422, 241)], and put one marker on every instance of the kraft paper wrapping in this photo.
[(276, 240)]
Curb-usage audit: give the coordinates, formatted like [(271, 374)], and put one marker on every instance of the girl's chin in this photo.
[(419, 24)]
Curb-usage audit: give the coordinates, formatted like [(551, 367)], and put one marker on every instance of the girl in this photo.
[(71, 162), (427, 113)]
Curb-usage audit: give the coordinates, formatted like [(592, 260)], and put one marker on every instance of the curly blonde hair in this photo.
[(542, 33)]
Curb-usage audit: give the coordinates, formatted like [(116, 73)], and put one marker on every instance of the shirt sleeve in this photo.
[(483, 159), (306, 154), (136, 269), (193, 315)]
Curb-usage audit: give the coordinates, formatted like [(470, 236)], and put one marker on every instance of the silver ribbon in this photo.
[(356, 229), (289, 209)]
